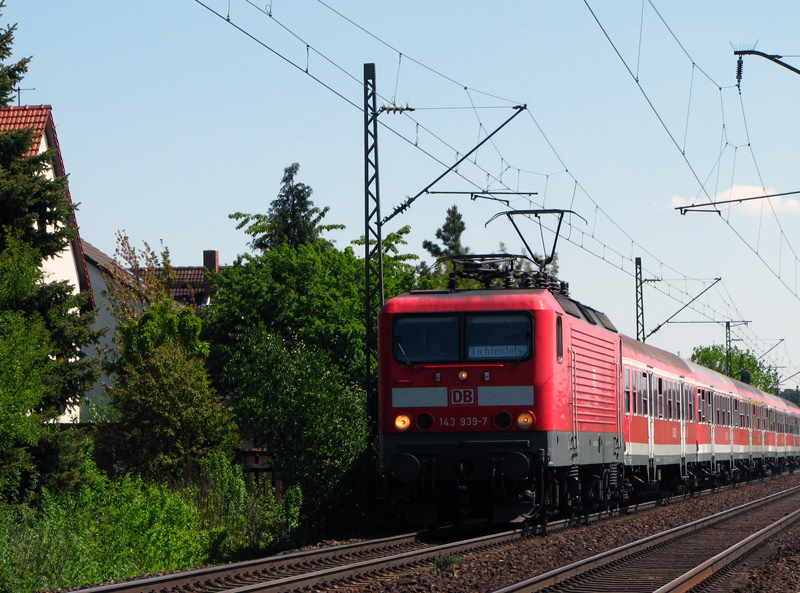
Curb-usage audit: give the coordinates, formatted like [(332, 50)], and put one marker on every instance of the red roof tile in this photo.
[(27, 116)]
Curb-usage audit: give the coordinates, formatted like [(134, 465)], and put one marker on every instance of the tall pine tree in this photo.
[(292, 218), (37, 212)]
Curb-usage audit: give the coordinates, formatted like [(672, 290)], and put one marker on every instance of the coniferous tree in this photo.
[(37, 212), (450, 236), (292, 218)]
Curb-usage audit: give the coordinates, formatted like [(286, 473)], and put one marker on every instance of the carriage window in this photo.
[(426, 339), (498, 337), (627, 390), (644, 394), (699, 406), (689, 403)]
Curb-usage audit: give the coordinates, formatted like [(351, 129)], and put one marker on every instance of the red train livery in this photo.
[(522, 403)]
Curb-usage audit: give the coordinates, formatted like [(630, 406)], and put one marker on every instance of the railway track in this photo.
[(291, 572), (316, 567), (678, 559), (320, 567)]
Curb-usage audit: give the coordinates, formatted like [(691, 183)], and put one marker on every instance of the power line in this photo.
[(581, 239), (682, 149)]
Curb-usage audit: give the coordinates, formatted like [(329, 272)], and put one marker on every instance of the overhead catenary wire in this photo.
[(682, 148), (581, 239)]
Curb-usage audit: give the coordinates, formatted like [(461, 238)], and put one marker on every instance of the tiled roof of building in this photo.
[(97, 257), (189, 282), (28, 116)]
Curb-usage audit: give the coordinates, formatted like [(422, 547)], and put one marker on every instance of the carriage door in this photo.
[(683, 397), (713, 420), (733, 422), (748, 410), (651, 414)]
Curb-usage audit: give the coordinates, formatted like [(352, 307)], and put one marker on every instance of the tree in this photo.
[(290, 400), (287, 335), (450, 236), (166, 416), (138, 279), (793, 395), (37, 211), (716, 357), (25, 367), (291, 219), (527, 265), (312, 296)]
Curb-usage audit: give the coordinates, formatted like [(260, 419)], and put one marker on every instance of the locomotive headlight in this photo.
[(462, 375), (525, 420), (402, 422)]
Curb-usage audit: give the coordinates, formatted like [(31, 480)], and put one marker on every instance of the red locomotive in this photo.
[(521, 403)]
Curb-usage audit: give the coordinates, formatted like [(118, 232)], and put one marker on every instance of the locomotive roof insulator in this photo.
[(501, 270)]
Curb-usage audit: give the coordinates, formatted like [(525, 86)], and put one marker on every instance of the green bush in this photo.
[(119, 529), (244, 522), (448, 560), (110, 529)]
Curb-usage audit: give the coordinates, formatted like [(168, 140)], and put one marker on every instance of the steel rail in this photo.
[(593, 563), (231, 572), (724, 559)]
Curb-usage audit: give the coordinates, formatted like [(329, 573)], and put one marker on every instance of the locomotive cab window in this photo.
[(453, 338), (426, 339)]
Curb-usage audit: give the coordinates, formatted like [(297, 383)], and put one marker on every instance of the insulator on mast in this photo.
[(739, 64)]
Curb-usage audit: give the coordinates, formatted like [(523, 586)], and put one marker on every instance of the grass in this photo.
[(448, 560)]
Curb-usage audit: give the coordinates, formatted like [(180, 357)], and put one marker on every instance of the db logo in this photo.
[(462, 396)]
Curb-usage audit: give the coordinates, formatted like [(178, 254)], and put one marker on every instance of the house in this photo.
[(69, 265), (97, 265)]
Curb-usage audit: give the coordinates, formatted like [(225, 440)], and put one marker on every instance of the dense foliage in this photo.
[(165, 415), (110, 529), (287, 337), (25, 367)]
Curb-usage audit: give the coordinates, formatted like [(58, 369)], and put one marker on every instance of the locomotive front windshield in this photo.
[(467, 338)]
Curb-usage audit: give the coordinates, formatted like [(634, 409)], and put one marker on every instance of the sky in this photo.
[(172, 114)]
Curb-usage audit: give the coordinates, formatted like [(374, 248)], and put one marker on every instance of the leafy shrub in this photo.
[(115, 529), (123, 528), (244, 522)]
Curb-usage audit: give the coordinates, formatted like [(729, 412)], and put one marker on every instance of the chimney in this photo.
[(211, 262)]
